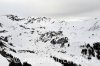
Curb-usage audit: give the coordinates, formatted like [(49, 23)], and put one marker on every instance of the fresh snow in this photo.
[(78, 30)]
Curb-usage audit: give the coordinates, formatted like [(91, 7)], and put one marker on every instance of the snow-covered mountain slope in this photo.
[(40, 41)]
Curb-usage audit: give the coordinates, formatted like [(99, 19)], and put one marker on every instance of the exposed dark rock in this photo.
[(68, 45), (13, 50), (91, 52), (3, 49), (3, 41), (95, 26), (96, 46), (53, 41), (88, 51), (5, 54), (24, 27), (39, 19), (84, 51), (65, 62), (32, 32), (88, 45), (26, 64), (2, 44), (98, 56), (31, 20), (48, 35), (26, 51), (15, 62), (3, 31), (11, 44), (61, 41), (1, 25), (62, 51), (4, 38), (14, 18)]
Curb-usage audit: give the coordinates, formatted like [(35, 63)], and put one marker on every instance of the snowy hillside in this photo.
[(42, 41)]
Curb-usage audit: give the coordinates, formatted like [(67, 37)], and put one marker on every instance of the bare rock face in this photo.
[(26, 64), (54, 37), (14, 18), (91, 51), (61, 41), (49, 35), (65, 62), (88, 50), (96, 47), (15, 62)]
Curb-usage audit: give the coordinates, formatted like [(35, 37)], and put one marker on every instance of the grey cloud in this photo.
[(49, 7)]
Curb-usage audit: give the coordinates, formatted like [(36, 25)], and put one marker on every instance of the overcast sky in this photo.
[(50, 7)]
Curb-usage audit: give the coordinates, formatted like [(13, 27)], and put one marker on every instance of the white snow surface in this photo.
[(78, 30)]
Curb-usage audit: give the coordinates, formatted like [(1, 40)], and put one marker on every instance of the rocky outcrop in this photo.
[(14, 18), (64, 62), (91, 51)]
